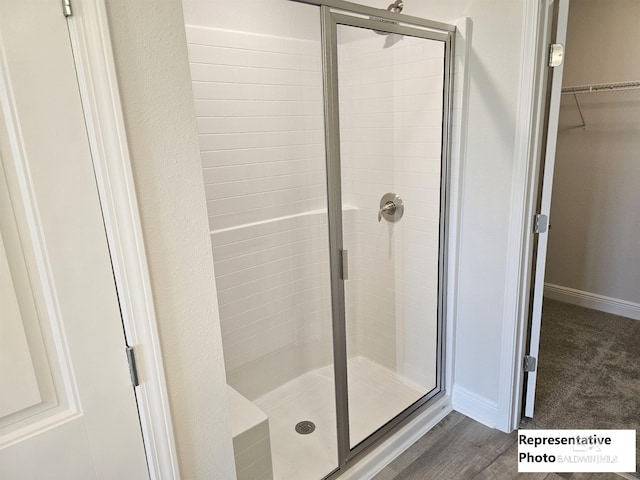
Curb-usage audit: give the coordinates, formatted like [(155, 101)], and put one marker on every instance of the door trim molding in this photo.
[(95, 66), (523, 193), (527, 175)]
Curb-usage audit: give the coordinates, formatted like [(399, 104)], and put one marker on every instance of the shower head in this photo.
[(396, 6)]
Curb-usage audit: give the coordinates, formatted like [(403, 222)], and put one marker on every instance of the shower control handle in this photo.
[(389, 208)]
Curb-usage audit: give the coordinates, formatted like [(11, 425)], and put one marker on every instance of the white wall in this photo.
[(595, 214), (390, 121), (487, 177), (258, 101), (282, 18), (259, 107), (153, 76)]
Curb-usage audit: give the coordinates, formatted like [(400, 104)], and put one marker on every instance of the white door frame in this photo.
[(545, 183), (521, 253), (93, 55)]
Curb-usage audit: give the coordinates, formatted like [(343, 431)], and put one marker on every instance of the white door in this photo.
[(67, 405), (545, 206)]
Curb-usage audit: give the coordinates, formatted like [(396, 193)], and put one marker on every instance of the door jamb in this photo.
[(548, 139), (536, 153), (526, 179), (95, 67)]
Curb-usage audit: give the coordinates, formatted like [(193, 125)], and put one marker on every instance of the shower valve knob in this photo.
[(391, 208)]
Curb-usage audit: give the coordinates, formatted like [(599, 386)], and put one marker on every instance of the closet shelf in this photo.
[(602, 87)]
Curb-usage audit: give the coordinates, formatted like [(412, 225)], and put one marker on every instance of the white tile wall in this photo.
[(259, 108), (390, 124), (274, 299), (258, 101)]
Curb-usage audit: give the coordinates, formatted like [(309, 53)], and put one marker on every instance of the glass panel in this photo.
[(391, 100), (257, 81)]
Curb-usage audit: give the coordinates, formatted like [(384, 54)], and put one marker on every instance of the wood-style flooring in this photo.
[(459, 448), (589, 377)]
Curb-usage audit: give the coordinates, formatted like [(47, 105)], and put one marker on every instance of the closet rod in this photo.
[(602, 87), (608, 87)]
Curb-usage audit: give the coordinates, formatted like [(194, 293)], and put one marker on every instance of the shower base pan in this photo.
[(376, 396)]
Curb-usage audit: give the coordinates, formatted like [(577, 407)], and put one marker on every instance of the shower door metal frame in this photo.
[(417, 27)]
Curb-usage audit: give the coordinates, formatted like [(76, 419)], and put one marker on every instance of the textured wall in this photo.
[(593, 245), (153, 75)]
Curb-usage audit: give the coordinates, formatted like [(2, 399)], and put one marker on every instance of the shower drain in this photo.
[(305, 427)]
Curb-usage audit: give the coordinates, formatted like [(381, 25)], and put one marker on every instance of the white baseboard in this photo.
[(475, 406), (374, 462), (592, 300)]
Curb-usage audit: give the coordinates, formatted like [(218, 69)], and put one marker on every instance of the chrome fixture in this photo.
[(391, 208), (396, 6)]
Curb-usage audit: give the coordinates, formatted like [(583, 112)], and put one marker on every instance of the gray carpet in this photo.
[(588, 370)]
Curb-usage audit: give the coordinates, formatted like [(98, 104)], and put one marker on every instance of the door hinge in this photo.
[(529, 363), (66, 8), (344, 263), (540, 223), (556, 54), (133, 368)]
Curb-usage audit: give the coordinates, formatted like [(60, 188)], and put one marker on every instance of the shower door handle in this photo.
[(344, 263)]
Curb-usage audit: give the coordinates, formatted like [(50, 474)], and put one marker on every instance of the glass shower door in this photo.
[(259, 104), (391, 102)]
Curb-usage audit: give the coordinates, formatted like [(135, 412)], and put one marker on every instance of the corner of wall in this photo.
[(524, 181), (150, 56), (460, 121)]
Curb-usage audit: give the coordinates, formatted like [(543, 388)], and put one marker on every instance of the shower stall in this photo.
[(324, 136)]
